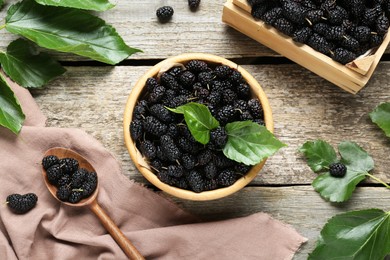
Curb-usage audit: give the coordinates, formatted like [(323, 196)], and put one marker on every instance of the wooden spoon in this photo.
[(91, 201)]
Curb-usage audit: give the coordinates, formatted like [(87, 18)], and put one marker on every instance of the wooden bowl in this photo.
[(136, 155)]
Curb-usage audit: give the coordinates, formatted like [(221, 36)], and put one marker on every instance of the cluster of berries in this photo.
[(165, 140), (165, 13), (73, 183), (340, 29), (21, 204)]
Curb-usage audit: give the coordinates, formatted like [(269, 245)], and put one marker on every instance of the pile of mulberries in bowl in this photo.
[(196, 126)]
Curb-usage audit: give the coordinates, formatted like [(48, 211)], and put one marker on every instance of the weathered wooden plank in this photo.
[(298, 206), (305, 107), (200, 31)]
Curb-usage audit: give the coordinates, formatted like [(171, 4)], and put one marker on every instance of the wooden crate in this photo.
[(351, 77)]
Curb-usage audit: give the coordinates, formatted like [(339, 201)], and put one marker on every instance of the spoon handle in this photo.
[(115, 232)]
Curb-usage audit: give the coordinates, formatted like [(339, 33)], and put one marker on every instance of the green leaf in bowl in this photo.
[(199, 120), (249, 142)]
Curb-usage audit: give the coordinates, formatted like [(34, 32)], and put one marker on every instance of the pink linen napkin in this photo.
[(156, 226)]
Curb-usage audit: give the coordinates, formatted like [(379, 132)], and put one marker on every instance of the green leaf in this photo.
[(358, 163), (250, 143), (381, 116), (1, 4), (363, 234), (319, 154), (198, 119), (67, 30), (26, 66), (355, 158), (11, 114), (95, 5)]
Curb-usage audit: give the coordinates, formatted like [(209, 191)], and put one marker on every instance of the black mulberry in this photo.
[(226, 178), (78, 178), (270, 16), (223, 71), (175, 171), (49, 161), (371, 14), (343, 56), (205, 77), (258, 11), (187, 78), (302, 35), (228, 96), (337, 169), (284, 26), (169, 81), (196, 66), (334, 33), (148, 149), (337, 15), (210, 170), (219, 137), (54, 173), (164, 13), (157, 94), (154, 126), (63, 192), (136, 129), (188, 161), (75, 196), (89, 185), (161, 113), (294, 12), (68, 165), (361, 33), (21, 204), (195, 181), (382, 24), (151, 83), (319, 43), (169, 147), (193, 3), (226, 114), (255, 108), (350, 43), (204, 157)]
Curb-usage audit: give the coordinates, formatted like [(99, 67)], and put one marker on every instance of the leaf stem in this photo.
[(378, 180), (2, 26)]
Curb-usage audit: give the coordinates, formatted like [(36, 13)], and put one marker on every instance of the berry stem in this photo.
[(2, 26), (378, 180)]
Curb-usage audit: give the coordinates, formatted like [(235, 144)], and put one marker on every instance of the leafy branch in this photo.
[(363, 234), (59, 25)]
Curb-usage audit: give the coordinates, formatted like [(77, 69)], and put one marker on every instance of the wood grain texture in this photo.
[(200, 31), (298, 206), (305, 107)]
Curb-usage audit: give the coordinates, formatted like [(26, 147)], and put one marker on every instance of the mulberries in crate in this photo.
[(340, 29)]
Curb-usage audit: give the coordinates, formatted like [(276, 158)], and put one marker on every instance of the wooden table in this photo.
[(92, 96)]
